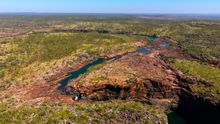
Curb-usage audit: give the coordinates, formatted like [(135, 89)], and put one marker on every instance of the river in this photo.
[(173, 118)]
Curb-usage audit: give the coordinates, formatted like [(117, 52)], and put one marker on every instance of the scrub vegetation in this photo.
[(41, 51), (208, 77), (96, 112), (38, 51)]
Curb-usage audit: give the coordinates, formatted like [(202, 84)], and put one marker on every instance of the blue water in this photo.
[(140, 50), (75, 74), (152, 38), (143, 50)]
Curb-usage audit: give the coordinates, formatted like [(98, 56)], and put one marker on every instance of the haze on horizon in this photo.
[(112, 6)]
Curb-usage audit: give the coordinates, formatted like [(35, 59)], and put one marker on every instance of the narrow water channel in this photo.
[(75, 74)]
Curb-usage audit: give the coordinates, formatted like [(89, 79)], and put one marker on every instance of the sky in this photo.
[(113, 6)]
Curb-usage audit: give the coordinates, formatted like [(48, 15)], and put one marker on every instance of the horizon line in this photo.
[(123, 13)]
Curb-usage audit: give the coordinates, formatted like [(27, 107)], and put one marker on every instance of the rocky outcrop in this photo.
[(70, 91), (135, 90), (152, 78)]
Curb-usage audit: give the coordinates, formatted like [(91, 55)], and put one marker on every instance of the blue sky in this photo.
[(112, 6)]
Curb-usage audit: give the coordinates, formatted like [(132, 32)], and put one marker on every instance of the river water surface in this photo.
[(173, 118)]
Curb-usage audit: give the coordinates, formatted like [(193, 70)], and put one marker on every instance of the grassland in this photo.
[(41, 54), (96, 112), (199, 38), (208, 77)]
